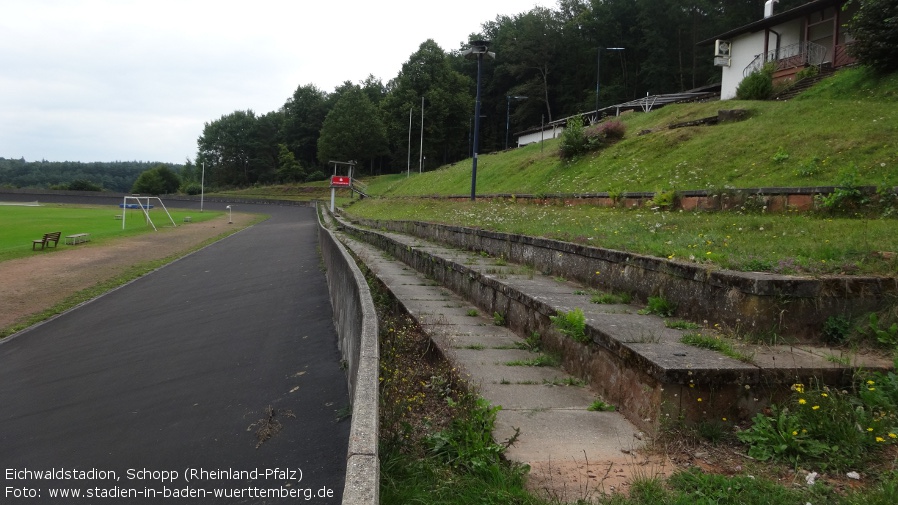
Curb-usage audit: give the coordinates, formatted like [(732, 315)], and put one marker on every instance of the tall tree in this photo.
[(875, 28), (159, 180), (304, 115), (227, 148), (352, 130), (448, 104)]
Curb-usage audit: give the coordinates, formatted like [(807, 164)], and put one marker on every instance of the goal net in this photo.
[(143, 204)]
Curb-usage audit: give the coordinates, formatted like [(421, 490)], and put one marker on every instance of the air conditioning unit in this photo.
[(722, 48)]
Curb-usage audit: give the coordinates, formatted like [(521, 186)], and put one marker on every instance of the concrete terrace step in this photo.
[(564, 443), (633, 360)]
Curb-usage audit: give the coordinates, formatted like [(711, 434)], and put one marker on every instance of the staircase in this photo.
[(826, 70)]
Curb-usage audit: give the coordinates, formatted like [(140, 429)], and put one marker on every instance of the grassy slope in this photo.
[(859, 128), (848, 120)]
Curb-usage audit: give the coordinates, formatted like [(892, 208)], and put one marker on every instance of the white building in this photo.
[(812, 34)]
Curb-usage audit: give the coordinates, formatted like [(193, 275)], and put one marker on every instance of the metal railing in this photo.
[(793, 55)]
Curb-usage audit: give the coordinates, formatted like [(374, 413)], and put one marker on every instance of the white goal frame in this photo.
[(143, 203)]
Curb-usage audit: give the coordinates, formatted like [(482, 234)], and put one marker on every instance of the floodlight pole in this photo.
[(478, 49), (598, 72)]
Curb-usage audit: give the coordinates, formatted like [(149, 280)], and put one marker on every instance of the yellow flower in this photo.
[(798, 387), (870, 383), (724, 418), (794, 433), (824, 395), (816, 407), (869, 429), (699, 399), (802, 401), (880, 439), (892, 435)]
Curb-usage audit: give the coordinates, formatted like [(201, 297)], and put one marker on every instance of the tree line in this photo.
[(116, 176), (550, 56)]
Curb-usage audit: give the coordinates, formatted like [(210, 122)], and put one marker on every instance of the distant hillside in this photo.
[(848, 123), (116, 176)]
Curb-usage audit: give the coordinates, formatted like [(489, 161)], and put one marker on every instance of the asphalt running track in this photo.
[(175, 373)]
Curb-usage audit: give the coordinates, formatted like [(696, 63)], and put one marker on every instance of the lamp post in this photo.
[(477, 50), (508, 115), (229, 214), (598, 70)]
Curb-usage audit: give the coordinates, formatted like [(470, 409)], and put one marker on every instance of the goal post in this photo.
[(143, 203)]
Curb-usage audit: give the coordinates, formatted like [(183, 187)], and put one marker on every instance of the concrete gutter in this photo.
[(356, 323)]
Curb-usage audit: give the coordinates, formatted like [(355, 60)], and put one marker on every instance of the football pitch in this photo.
[(21, 224)]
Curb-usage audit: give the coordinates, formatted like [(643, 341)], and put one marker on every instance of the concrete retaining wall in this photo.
[(356, 323), (750, 302)]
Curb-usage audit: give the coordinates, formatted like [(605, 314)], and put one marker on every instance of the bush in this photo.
[(600, 134), (573, 139), (757, 86), (84, 185), (191, 188)]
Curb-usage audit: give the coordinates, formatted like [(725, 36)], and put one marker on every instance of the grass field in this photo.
[(23, 224)]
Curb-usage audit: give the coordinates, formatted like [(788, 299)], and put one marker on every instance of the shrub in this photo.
[(757, 86), (573, 139), (84, 185), (191, 188), (600, 134)]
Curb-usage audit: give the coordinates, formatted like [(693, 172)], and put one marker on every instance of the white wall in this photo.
[(745, 47), (742, 51), (549, 133)]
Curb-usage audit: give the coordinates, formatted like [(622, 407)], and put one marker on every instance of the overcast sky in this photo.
[(107, 80)]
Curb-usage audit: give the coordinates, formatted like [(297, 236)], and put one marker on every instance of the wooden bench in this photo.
[(45, 242), (78, 238)]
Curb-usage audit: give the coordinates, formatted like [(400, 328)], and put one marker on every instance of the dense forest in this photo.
[(548, 63), (117, 176)]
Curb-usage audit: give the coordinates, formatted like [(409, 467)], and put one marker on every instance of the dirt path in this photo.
[(33, 284)]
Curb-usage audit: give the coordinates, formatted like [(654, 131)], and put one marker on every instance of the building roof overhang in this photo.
[(774, 20)]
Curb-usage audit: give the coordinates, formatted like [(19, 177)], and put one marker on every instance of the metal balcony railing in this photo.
[(793, 55)]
